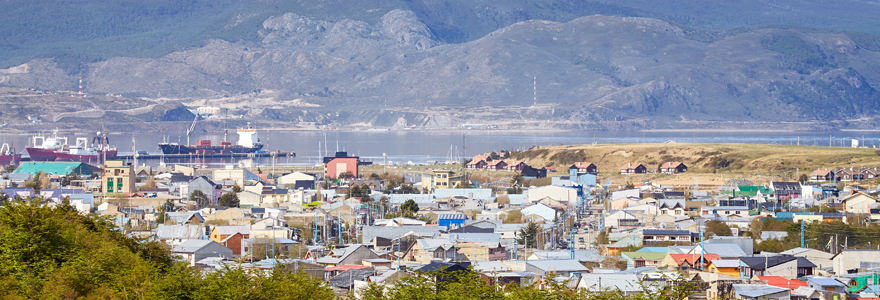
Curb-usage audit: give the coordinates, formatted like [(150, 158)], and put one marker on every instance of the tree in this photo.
[(365, 190), (199, 198), (528, 236), (229, 200), (803, 178), (354, 191), (150, 184), (409, 207), (45, 181), (718, 228), (236, 188), (629, 185)]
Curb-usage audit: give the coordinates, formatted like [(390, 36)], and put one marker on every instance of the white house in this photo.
[(541, 210), (564, 194), (859, 203)]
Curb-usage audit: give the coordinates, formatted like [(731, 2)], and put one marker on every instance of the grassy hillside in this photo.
[(704, 158)]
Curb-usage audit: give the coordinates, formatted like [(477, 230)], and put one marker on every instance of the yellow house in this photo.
[(118, 177), (729, 267), (440, 179)]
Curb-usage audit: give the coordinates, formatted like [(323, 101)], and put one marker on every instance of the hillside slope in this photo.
[(591, 71), (726, 158)]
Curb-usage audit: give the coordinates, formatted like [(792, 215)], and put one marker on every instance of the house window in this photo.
[(727, 212)]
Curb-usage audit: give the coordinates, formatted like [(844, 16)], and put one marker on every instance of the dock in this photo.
[(209, 155)]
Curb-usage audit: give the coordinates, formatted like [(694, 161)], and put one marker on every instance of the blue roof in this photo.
[(451, 217), (653, 249), (825, 281)]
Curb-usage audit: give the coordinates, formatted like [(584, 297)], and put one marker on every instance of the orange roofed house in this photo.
[(686, 261), (633, 168), (673, 167)]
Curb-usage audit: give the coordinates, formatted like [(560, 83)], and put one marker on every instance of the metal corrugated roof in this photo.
[(452, 217), (565, 265)]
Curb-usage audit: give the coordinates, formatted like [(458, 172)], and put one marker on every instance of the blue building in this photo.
[(451, 220)]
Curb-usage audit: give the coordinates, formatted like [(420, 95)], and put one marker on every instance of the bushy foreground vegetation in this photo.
[(53, 252)]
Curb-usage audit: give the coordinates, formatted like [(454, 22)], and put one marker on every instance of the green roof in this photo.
[(755, 189), (627, 241), (57, 168), (646, 255)]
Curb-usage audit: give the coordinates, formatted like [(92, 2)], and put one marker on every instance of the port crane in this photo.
[(191, 129)]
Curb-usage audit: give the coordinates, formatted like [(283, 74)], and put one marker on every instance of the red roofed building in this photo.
[(497, 165), (821, 175), (673, 167), (477, 164), (633, 168), (686, 261), (585, 167), (778, 281)]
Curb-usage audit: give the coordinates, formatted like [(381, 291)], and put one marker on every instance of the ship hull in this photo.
[(67, 156), (37, 154), (11, 159), (204, 149)]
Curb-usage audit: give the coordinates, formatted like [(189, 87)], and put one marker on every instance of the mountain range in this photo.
[(637, 65)]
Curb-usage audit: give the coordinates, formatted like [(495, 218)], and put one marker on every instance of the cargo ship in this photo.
[(55, 148), (83, 153), (44, 147), (248, 142)]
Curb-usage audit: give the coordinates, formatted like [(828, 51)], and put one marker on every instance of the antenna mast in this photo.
[(535, 82)]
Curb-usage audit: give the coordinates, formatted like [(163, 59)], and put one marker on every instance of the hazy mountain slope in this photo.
[(592, 69), (79, 31)]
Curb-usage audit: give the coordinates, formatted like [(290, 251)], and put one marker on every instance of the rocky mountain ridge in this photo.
[(595, 72)]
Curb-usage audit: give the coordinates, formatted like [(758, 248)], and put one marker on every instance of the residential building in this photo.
[(340, 164), (118, 178), (196, 250), (752, 266), (826, 284), (451, 220), (352, 255), (204, 185), (230, 236), (528, 172), (673, 167), (563, 194), (724, 211), (822, 175), (859, 203), (643, 259), (584, 168), (818, 257), (684, 262), (660, 236), (849, 260), (729, 267), (561, 268), (297, 180), (441, 179), (633, 168), (761, 292), (786, 190)]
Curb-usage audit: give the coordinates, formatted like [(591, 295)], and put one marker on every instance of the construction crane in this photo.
[(191, 129)]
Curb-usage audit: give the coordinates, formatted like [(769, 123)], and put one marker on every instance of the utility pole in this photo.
[(802, 233)]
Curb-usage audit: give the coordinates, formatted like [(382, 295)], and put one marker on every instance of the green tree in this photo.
[(229, 200), (354, 191), (528, 236), (236, 188), (409, 207), (718, 228), (199, 198)]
